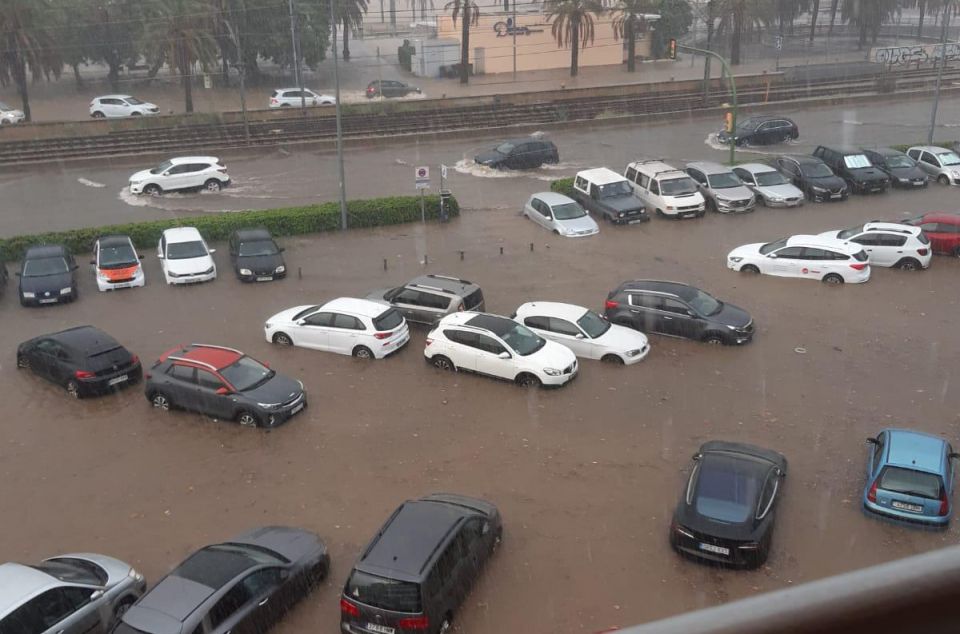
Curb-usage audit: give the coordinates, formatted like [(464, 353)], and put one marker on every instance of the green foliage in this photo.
[(676, 16), (562, 186), (289, 221)]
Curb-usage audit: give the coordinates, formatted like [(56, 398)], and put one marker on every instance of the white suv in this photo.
[(292, 98), (500, 348), (10, 115), (115, 106), (586, 333), (665, 189), (184, 172), (889, 244), (184, 256), (811, 257)]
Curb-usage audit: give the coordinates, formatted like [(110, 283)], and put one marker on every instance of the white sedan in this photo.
[(585, 332), (564, 216), (359, 327)]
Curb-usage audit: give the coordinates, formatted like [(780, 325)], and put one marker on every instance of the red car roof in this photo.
[(215, 356), (942, 216)]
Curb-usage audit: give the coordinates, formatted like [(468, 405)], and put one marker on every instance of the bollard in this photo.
[(461, 255), (501, 250), (299, 273), (426, 259), (384, 264), (531, 246)]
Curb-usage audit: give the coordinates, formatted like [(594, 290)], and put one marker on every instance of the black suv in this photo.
[(83, 360), (429, 298), (48, 275), (414, 574), (853, 166), (389, 88), (813, 176), (902, 170), (678, 310), (761, 130), (255, 256), (517, 154)]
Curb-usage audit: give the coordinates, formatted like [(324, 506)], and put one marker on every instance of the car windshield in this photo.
[(4, 106), (383, 593), (593, 324), (186, 250), (773, 246), (116, 257), (523, 340), (133, 101), (40, 267), (770, 179), (725, 492), (257, 248), (900, 160), (163, 167), (846, 234), (817, 170), (856, 161), (616, 190), (568, 211), (948, 158), (246, 373), (678, 186), (724, 180), (910, 482), (705, 303), (72, 570), (505, 148)]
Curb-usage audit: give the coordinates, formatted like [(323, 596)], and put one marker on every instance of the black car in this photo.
[(84, 361), (255, 256), (517, 154), (223, 383), (853, 166), (416, 572), (813, 176), (902, 170), (761, 130), (727, 511), (243, 586), (48, 275), (389, 88), (678, 310)]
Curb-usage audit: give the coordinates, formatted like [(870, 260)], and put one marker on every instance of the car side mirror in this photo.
[(212, 250), (872, 441), (580, 335), (954, 456), (772, 256), (74, 267), (301, 322), (223, 391), (697, 456), (281, 249), (503, 355), (160, 256), (690, 313), (93, 262), (96, 594), (140, 256)]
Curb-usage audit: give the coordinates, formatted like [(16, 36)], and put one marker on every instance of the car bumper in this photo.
[(726, 208), (281, 415), (43, 300), (562, 379), (585, 234), (644, 351), (916, 183), (875, 509), (632, 220), (392, 345), (693, 548), (871, 188), (267, 277), (137, 280), (686, 213), (191, 279), (111, 382), (821, 197), (858, 277), (783, 203)]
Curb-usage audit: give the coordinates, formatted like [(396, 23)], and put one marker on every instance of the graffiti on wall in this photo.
[(896, 55)]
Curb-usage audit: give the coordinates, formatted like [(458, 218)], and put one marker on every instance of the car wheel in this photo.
[(612, 359), (247, 419), (908, 264), (956, 252), (284, 105), (943, 179), (152, 190), (23, 363), (659, 212), (712, 338), (362, 352), (213, 185), (159, 400), (445, 624), (710, 205), (282, 339), (135, 114), (750, 269), (832, 278), (98, 115), (442, 363), (527, 380), (73, 389)]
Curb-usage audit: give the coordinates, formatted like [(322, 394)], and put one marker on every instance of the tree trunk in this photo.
[(113, 75), (346, 41), (631, 48), (922, 5), (76, 74), (833, 15), (20, 76), (863, 34), (393, 16), (157, 65), (185, 79), (465, 43), (737, 33), (575, 49), (813, 18)]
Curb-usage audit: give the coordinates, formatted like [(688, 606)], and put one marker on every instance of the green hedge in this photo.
[(288, 221), (562, 186)]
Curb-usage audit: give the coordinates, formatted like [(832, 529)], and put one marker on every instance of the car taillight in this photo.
[(83, 374), (429, 341), (921, 251), (274, 100), (944, 504), (222, 169), (859, 266), (872, 495), (349, 609), (382, 335), (414, 623), (461, 307), (134, 360), (611, 304)]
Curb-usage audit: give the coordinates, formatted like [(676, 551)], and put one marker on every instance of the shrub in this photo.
[(288, 221), (562, 186)]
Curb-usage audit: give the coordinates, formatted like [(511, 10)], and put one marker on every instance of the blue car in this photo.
[(910, 477)]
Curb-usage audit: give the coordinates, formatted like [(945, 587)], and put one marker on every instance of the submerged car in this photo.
[(183, 173), (902, 170), (727, 511), (255, 256), (761, 130), (940, 164), (889, 244), (771, 187), (184, 256), (116, 263), (118, 106), (10, 115), (516, 154), (564, 216), (854, 167), (829, 260), (47, 276), (721, 188), (943, 229), (910, 477), (813, 177)]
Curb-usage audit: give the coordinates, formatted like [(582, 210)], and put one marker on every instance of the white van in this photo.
[(665, 189)]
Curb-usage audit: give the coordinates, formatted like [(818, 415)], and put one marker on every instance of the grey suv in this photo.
[(724, 191), (428, 298)]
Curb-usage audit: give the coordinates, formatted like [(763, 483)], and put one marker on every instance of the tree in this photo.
[(740, 18), (813, 19), (108, 31), (676, 17), (868, 16), (469, 13), (27, 41), (833, 15), (350, 14), (573, 25), (628, 22)]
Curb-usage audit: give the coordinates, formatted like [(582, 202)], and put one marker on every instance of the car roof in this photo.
[(601, 175), (181, 234), (754, 168), (87, 339), (823, 242), (256, 233), (654, 167), (892, 226), (114, 241), (681, 290), (525, 139), (801, 158), (177, 160), (205, 354), (760, 118), (571, 312), (118, 96), (354, 306), (294, 88), (19, 582), (843, 149), (214, 567), (915, 450), (553, 198), (709, 167), (446, 283), (175, 597), (884, 151), (947, 217), (46, 251), (407, 543), (929, 148)]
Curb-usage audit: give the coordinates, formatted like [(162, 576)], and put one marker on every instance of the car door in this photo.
[(313, 331), (43, 358), (195, 175), (787, 262), (345, 333), (408, 302), (890, 249), (569, 334), (488, 361), (474, 547), (544, 215), (765, 133), (181, 384), (234, 613), (645, 311), (63, 364), (175, 177), (61, 610), (875, 458), (677, 319), (929, 164), (872, 244), (270, 601), (213, 403), (792, 171), (746, 177), (111, 107)]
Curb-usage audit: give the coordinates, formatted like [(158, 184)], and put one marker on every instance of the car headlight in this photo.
[(210, 270), (245, 272), (818, 189), (66, 291), (736, 259), (136, 576), (632, 353), (620, 215), (281, 269), (904, 180), (956, 174), (551, 372), (102, 276), (268, 405), (669, 208), (267, 325), (28, 295), (731, 327), (133, 183)]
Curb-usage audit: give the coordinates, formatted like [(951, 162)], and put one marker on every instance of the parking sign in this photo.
[(422, 177)]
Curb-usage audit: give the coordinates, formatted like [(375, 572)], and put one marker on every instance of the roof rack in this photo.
[(194, 361), (449, 277), (429, 288), (210, 345)]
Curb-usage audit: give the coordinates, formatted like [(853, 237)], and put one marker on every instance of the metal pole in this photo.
[(943, 62), (733, 90), (423, 207), (243, 85), (336, 81), (296, 56), (514, 3)]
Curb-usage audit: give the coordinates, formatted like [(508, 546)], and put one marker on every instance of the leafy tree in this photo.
[(676, 17), (469, 13), (27, 41), (573, 25), (350, 14), (868, 16), (628, 23)]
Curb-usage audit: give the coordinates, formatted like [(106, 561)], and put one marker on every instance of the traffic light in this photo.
[(728, 122), (672, 48)]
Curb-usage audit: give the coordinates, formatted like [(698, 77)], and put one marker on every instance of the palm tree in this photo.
[(423, 8), (573, 25), (868, 16), (814, 12), (469, 13), (628, 22), (182, 32), (27, 42), (833, 15), (350, 14), (738, 17)]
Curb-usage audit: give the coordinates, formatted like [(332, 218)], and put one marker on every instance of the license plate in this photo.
[(117, 379), (720, 550), (836, 195), (48, 301), (382, 629), (296, 409), (265, 279), (903, 506), (634, 222), (918, 183)]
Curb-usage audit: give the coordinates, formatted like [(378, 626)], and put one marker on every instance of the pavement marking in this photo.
[(90, 183)]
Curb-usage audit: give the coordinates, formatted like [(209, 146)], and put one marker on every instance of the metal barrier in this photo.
[(910, 596)]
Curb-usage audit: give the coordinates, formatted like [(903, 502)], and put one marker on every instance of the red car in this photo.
[(943, 229)]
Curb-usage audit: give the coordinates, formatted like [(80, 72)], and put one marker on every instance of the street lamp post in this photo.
[(733, 91), (336, 81), (943, 62), (296, 56)]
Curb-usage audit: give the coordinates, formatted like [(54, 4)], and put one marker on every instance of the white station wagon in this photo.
[(810, 257)]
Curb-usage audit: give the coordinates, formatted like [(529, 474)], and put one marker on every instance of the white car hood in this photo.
[(747, 250), (622, 338), (551, 355), (142, 175), (189, 266), (286, 316), (583, 223)]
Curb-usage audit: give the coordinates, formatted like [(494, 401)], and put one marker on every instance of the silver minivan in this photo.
[(939, 162)]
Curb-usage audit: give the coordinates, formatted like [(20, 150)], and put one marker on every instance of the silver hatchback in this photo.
[(939, 163), (70, 594)]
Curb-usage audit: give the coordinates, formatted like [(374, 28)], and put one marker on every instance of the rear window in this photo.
[(860, 256), (108, 358), (922, 237), (388, 320), (383, 593), (473, 300), (910, 482)]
